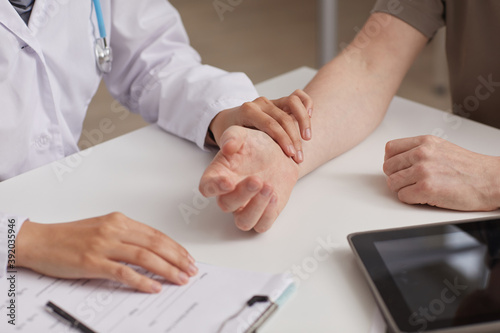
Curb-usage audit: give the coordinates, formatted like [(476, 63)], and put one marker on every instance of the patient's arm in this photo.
[(351, 95)]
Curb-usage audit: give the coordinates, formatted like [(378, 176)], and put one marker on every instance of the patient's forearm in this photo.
[(352, 92)]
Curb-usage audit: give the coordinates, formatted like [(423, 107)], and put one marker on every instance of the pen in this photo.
[(60, 313)]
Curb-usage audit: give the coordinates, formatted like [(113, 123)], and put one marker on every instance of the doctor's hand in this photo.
[(99, 247), (433, 171), (278, 118), (251, 177)]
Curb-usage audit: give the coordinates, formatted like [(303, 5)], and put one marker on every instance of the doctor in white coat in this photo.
[(48, 76)]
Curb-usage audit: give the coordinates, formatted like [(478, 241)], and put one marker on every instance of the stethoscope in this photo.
[(103, 53)]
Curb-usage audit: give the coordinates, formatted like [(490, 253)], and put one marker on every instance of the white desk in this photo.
[(149, 174)]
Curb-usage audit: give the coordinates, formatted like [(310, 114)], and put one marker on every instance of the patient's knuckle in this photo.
[(422, 170), (422, 153), (427, 186)]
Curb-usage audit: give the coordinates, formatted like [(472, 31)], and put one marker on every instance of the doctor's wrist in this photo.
[(24, 240), (222, 121)]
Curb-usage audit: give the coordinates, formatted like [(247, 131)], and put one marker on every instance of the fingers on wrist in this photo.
[(282, 129), (301, 113), (279, 120), (307, 101)]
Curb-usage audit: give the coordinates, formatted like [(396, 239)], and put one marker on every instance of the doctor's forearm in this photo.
[(352, 93)]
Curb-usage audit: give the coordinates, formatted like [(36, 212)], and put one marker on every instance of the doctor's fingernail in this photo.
[(300, 156), (183, 278), (310, 111), (291, 150), (191, 259), (156, 287), (192, 270), (307, 134)]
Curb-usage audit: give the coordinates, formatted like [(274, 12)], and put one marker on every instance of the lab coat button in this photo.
[(42, 142)]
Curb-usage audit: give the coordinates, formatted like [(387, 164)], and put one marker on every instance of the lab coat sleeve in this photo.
[(158, 74), (9, 228)]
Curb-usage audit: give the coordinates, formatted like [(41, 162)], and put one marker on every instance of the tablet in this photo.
[(435, 278)]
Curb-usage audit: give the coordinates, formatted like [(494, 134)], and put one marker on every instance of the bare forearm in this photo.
[(352, 92)]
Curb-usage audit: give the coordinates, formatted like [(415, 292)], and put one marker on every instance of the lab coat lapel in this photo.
[(11, 20)]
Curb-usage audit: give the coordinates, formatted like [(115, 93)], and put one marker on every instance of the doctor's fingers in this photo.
[(162, 246), (247, 217), (114, 271), (279, 125), (243, 192), (146, 259), (300, 105), (307, 101)]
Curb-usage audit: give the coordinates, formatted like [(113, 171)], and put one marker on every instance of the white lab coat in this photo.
[(48, 76)]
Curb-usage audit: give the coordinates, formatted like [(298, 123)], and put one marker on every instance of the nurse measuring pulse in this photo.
[(103, 53)]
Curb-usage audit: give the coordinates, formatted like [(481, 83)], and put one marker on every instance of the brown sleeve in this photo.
[(427, 16)]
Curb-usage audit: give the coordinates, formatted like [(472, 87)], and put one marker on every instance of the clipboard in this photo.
[(257, 311), (218, 299)]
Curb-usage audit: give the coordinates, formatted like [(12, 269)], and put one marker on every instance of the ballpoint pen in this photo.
[(61, 314)]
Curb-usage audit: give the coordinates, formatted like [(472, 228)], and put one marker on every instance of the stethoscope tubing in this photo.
[(103, 52), (100, 19)]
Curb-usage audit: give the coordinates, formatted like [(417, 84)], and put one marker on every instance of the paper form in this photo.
[(211, 297)]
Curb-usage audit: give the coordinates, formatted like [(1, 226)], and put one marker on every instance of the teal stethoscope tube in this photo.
[(103, 52), (100, 20)]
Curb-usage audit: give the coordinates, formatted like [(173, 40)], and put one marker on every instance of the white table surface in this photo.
[(150, 175)]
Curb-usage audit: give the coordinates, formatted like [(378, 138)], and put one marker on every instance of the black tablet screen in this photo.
[(436, 276)]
